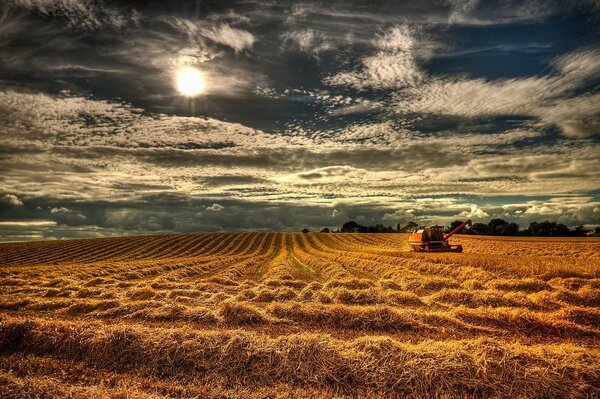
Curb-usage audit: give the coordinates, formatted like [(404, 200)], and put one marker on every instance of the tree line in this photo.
[(497, 227), (500, 227)]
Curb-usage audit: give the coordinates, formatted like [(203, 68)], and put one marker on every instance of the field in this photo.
[(268, 315)]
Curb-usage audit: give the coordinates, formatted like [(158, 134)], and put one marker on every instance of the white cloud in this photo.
[(11, 199), (542, 210), (475, 212), (82, 138), (397, 39), (76, 121), (238, 39), (393, 66), (63, 215), (307, 41), (551, 98), (570, 210), (399, 215), (577, 117), (477, 12), (477, 97), (27, 223), (361, 107), (75, 140), (215, 208), (460, 9), (579, 66)]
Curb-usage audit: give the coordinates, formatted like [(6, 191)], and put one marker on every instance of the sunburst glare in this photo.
[(190, 81)]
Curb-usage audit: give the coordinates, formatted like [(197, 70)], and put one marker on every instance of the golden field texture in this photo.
[(270, 315)]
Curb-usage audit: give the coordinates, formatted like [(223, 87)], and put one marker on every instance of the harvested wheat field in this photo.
[(269, 315)]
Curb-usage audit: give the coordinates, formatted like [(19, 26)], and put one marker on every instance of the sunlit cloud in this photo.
[(238, 39), (551, 98), (215, 208), (11, 199), (393, 66), (38, 223), (307, 41)]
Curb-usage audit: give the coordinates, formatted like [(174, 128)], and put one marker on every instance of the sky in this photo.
[(311, 114)]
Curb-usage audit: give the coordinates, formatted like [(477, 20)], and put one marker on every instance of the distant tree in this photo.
[(548, 229), (579, 231), (351, 227), (379, 228), (479, 228), (454, 225), (533, 228), (496, 226), (511, 229), (562, 230), (410, 226), (305, 231), (325, 230), (398, 227)]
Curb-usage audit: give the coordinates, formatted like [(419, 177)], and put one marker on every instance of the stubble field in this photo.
[(257, 315)]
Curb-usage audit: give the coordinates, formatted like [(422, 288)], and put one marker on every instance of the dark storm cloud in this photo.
[(313, 113)]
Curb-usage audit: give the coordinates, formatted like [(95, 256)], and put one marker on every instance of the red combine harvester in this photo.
[(433, 239)]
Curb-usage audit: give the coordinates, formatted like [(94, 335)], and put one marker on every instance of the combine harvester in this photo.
[(433, 239)]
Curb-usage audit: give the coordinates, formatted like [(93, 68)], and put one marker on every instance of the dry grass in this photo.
[(255, 315)]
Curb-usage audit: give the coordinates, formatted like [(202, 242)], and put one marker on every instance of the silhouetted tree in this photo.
[(379, 228), (325, 230), (454, 225), (548, 229), (479, 228), (579, 231), (305, 231), (511, 229), (351, 227), (496, 226), (410, 226)]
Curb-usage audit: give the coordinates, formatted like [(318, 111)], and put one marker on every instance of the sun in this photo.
[(190, 81)]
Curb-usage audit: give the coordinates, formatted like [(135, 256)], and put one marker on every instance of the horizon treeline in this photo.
[(497, 227)]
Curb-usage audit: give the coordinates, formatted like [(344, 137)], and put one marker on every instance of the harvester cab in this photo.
[(433, 239)]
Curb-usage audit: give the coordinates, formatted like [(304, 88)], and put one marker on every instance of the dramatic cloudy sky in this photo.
[(314, 113)]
